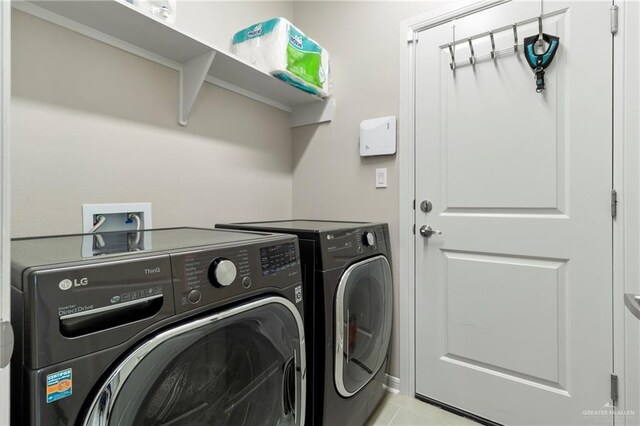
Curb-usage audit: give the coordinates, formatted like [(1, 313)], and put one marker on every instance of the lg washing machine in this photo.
[(174, 326)]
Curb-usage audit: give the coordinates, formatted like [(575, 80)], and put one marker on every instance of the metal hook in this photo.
[(453, 56), (493, 45), (540, 27), (452, 45), (515, 37), (472, 58)]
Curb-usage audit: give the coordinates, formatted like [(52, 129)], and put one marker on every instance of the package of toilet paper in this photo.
[(276, 46), (165, 10)]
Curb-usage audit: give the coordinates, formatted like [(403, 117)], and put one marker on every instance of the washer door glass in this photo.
[(363, 323), (244, 366)]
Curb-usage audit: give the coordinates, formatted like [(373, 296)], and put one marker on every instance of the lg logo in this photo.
[(66, 284)]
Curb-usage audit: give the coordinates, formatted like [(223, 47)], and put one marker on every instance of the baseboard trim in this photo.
[(392, 383), (458, 411)]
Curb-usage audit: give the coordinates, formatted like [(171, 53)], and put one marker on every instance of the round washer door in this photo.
[(242, 366), (363, 323)]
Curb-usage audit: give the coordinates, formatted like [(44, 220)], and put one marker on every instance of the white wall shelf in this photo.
[(122, 25)]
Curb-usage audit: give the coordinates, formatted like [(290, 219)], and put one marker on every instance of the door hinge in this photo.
[(414, 204), (614, 19), (412, 36), (414, 229), (6, 343), (614, 390), (614, 203)]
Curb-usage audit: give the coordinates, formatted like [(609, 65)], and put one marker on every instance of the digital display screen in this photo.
[(277, 258)]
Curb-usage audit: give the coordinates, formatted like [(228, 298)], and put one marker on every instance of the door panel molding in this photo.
[(542, 314), (537, 180), (507, 374)]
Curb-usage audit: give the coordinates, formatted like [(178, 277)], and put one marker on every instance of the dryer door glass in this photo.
[(244, 366), (363, 323)]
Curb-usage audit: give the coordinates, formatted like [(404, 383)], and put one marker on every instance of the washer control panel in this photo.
[(222, 272), (278, 258), (342, 246), (368, 239), (210, 276), (350, 242)]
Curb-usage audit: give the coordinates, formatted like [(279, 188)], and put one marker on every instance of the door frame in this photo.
[(625, 178), (5, 233)]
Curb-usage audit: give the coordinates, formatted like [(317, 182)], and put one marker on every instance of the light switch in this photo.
[(381, 178)]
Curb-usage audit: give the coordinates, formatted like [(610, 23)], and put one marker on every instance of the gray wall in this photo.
[(217, 21), (93, 124), (330, 179)]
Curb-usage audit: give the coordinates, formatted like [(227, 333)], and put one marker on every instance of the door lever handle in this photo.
[(632, 302), (427, 231)]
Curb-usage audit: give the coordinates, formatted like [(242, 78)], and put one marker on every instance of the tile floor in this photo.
[(398, 410)]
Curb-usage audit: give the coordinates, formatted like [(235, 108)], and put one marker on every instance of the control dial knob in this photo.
[(222, 272), (368, 239)]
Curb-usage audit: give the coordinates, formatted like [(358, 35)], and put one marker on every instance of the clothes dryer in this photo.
[(347, 280)]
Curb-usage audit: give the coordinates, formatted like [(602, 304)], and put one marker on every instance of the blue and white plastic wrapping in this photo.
[(164, 10), (278, 47)]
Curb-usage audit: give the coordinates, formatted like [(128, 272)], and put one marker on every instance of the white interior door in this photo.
[(514, 305)]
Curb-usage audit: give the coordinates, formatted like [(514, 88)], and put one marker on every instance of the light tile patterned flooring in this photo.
[(399, 410)]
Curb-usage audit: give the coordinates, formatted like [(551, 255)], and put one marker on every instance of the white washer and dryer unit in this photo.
[(175, 326)]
